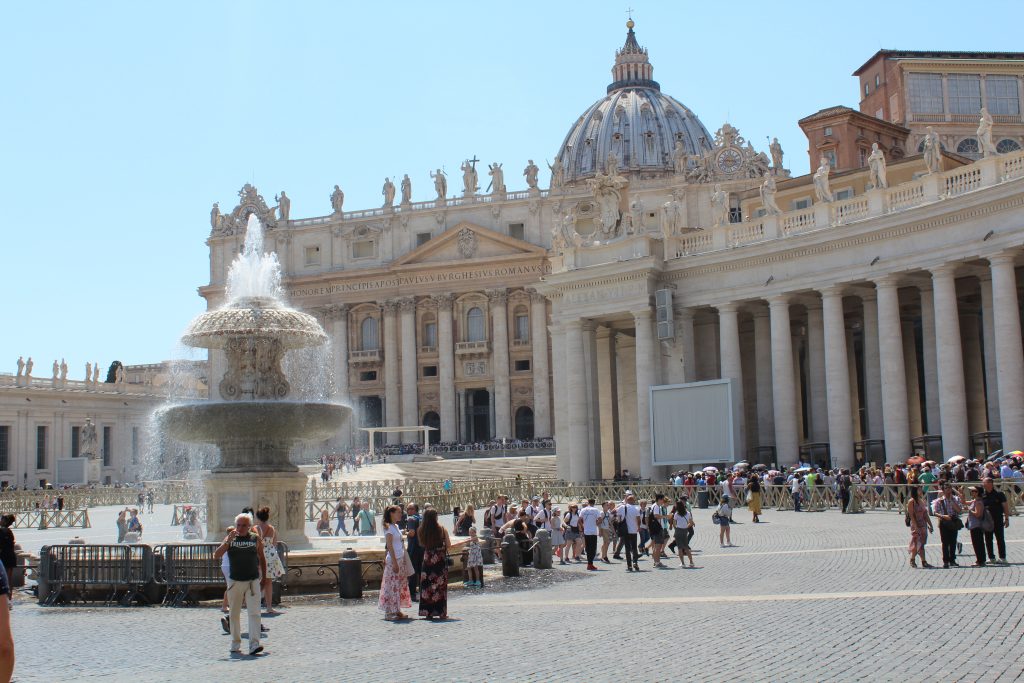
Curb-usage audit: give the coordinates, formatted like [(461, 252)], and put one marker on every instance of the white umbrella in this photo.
[(711, 468), (802, 469), (741, 465), (957, 458)]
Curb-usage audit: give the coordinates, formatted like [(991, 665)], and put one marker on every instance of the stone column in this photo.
[(950, 360), (787, 448), (593, 405), (732, 369), (559, 407), (338, 315), (684, 332), (855, 404), (913, 383), (645, 377), (837, 378), (541, 372), (816, 349), (608, 403), (1009, 353), (576, 399), (872, 372), (390, 334), (763, 363), (499, 360), (410, 410), (890, 354), (974, 375), (446, 367), (988, 337), (932, 418)]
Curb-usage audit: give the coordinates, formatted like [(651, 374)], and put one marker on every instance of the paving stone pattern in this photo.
[(803, 597)]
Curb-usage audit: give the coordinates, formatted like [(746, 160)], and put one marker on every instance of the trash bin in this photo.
[(350, 575), (702, 499)]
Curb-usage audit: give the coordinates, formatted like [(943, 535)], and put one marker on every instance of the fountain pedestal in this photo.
[(283, 492)]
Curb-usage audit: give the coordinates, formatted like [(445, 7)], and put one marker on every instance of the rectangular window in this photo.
[(363, 249), (801, 203), (522, 328), (867, 89), (964, 94), (422, 238), (517, 230), (430, 371), (430, 335), (828, 131), (925, 93), (5, 447), (522, 366), (135, 445), (368, 376), (312, 256), (107, 446), (76, 439), (41, 447), (862, 157), (1001, 95), (878, 80), (844, 194)]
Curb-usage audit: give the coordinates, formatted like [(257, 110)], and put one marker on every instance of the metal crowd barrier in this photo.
[(51, 519), (69, 572), (187, 566), (181, 513)]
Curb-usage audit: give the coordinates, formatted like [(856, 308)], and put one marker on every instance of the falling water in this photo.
[(253, 273)]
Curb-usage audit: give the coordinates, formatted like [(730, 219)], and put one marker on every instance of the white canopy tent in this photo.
[(371, 431)]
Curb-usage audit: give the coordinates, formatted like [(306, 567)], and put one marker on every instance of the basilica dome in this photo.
[(635, 120)]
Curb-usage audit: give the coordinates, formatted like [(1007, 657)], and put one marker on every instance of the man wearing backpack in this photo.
[(629, 514), (657, 521)]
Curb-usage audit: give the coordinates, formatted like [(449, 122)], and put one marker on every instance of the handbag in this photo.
[(716, 518), (407, 568), (988, 524)]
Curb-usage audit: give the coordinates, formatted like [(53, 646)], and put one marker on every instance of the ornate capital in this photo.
[(336, 311), (497, 296), (536, 297), (444, 301), (407, 304), (390, 306)]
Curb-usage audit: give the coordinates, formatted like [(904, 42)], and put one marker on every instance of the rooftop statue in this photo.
[(531, 172), (821, 188), (389, 193), (470, 181), (497, 184), (768, 190), (719, 206), (776, 150), (932, 151), (557, 174), (284, 206), (440, 184), (876, 166), (988, 149), (406, 189), (337, 200)]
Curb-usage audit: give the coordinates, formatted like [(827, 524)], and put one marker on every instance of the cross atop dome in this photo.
[(632, 68)]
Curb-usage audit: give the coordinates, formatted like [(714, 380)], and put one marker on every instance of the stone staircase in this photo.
[(463, 469)]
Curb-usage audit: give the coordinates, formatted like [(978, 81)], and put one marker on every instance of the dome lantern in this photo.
[(632, 67)]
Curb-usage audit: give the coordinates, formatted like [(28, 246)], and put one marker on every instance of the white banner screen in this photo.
[(692, 423)]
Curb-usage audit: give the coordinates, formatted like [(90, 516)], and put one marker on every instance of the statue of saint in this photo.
[(389, 193), (636, 215), (611, 164), (821, 188), (63, 370), (337, 200), (87, 440), (679, 158), (28, 368), (215, 216), (876, 167), (497, 178), (768, 190), (569, 229), (440, 184), (719, 206), (284, 206), (607, 193), (56, 369), (470, 182), (88, 371), (985, 134), (406, 189), (932, 151), (21, 366), (95, 373), (557, 174), (531, 172), (776, 151)]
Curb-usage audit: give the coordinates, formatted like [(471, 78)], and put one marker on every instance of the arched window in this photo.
[(368, 335), (524, 423), (1007, 145), (969, 148), (475, 325)]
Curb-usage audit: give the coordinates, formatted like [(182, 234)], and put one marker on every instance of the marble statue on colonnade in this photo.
[(932, 151), (337, 200), (768, 190), (470, 180), (63, 372), (28, 368), (284, 206), (88, 440), (985, 134), (440, 184), (95, 375), (671, 216), (821, 188), (497, 178), (531, 172), (88, 372), (680, 159), (389, 193), (876, 166), (776, 150), (215, 216), (56, 371), (406, 190), (606, 188), (557, 174), (719, 206), (21, 366), (636, 215)]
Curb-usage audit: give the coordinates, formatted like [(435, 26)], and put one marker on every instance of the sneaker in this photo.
[(264, 630), (225, 625), (235, 648), (591, 568), (606, 560), (255, 650)]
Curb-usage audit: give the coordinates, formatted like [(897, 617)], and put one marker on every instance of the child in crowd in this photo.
[(557, 538), (474, 562)]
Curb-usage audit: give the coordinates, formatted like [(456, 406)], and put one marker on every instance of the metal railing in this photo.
[(51, 519)]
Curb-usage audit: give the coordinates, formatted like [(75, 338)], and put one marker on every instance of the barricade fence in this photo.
[(52, 519), (94, 496)]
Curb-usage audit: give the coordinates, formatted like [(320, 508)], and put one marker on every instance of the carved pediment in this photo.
[(250, 202), (468, 242)]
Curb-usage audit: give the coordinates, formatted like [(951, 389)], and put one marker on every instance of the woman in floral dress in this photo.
[(394, 586), (434, 572)]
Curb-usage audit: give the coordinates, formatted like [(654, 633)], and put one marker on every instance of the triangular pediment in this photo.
[(468, 242)]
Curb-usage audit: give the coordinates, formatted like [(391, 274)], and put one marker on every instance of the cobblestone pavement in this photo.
[(802, 597)]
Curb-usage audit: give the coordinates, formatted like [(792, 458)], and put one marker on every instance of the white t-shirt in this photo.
[(543, 519), (498, 515), (590, 516), (399, 548), (631, 513), (682, 521)]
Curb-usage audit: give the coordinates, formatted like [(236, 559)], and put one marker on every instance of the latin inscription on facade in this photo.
[(392, 281)]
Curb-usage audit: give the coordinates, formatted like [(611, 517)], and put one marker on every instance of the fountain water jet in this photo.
[(254, 424)]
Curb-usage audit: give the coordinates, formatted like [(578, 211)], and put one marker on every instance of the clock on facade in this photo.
[(729, 160)]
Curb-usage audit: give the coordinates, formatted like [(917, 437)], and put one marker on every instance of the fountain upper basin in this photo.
[(217, 423)]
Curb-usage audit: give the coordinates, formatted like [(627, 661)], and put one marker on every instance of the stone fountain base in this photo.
[(283, 492)]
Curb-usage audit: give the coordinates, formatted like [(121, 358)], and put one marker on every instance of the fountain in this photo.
[(255, 423)]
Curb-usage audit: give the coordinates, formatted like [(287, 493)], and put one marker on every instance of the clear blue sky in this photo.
[(122, 122)]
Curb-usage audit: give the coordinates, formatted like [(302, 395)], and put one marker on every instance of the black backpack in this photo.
[(653, 523)]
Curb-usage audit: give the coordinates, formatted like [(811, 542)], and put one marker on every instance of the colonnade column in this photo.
[(950, 362), (559, 410), (410, 413), (932, 418), (837, 378), (787, 449), (763, 363), (576, 399), (338, 316), (684, 332), (820, 416), (446, 367), (732, 368), (541, 382), (872, 371), (890, 356), (499, 359), (1008, 347), (991, 369), (391, 401), (645, 377)]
